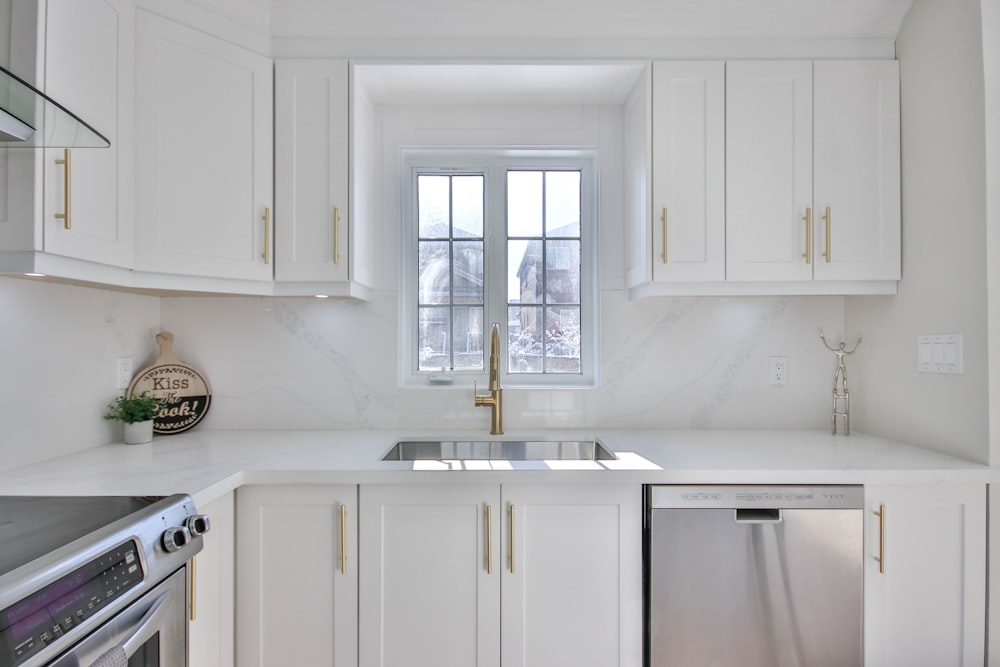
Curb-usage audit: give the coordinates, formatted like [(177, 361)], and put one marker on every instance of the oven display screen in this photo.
[(43, 617)]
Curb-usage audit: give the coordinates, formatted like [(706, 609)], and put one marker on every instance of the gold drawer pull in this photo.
[(67, 164), (808, 254), (880, 513), (829, 251), (336, 235), (267, 235)]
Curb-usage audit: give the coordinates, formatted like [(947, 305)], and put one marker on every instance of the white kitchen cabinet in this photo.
[(204, 154), (688, 163), (925, 603), (297, 575), (211, 629), (476, 575), (80, 53), (812, 171), (321, 245)]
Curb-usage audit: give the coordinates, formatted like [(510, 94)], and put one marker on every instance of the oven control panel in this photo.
[(50, 613)]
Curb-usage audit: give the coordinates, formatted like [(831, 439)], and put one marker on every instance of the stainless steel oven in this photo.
[(96, 582)]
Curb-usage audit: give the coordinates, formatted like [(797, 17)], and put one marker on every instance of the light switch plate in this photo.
[(940, 353)]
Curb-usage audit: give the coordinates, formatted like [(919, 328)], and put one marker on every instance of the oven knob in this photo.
[(198, 524), (175, 538)]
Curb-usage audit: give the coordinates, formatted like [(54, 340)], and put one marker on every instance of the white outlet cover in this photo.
[(940, 353)]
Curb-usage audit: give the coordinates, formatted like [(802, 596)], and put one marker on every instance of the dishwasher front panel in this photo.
[(755, 587)]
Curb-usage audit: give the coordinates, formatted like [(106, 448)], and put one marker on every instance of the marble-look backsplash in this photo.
[(677, 363)]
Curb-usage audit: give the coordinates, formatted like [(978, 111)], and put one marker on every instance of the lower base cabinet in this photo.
[(925, 575), (297, 575), (491, 575), (211, 631)]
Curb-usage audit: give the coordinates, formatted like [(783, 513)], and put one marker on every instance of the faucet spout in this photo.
[(494, 399)]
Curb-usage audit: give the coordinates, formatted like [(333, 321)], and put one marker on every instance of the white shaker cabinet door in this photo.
[(768, 170), (89, 69), (572, 576), (311, 176), (204, 159), (430, 579), (689, 158), (211, 627), (925, 599), (297, 575), (856, 170)]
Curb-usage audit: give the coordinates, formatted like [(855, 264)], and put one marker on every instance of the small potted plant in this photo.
[(137, 414)]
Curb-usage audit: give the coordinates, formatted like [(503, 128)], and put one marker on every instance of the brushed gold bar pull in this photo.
[(663, 218), (880, 513), (808, 254), (343, 539), (67, 163), (267, 235), (828, 253), (510, 536), (336, 235), (489, 539), (194, 587)]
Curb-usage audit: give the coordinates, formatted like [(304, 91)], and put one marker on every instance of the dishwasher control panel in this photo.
[(735, 496)]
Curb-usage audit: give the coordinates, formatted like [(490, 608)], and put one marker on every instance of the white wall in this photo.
[(944, 244), (59, 346)]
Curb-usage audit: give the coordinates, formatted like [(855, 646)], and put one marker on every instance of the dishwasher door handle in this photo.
[(756, 515)]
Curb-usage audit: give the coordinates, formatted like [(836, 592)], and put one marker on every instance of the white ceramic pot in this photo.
[(139, 433)]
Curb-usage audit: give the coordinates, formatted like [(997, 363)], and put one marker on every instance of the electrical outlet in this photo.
[(779, 370), (124, 372)]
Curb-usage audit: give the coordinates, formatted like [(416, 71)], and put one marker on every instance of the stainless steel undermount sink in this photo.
[(500, 450)]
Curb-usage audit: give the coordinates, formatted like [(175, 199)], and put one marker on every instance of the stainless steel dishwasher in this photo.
[(754, 576)]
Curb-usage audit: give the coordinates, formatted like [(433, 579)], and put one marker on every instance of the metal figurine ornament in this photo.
[(841, 396)]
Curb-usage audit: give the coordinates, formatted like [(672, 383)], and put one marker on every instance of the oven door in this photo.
[(151, 632)]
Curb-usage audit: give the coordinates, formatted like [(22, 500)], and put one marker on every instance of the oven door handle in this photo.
[(148, 626)]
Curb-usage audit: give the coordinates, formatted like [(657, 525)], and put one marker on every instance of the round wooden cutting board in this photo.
[(182, 391)]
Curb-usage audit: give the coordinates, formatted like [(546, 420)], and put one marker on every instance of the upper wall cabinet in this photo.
[(74, 203), (204, 154), (788, 186), (320, 243)]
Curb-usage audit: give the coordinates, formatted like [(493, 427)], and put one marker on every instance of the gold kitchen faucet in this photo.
[(494, 399)]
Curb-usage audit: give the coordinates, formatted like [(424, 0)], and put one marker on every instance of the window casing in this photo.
[(506, 237)]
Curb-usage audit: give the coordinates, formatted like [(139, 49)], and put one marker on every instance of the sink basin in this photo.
[(500, 450)]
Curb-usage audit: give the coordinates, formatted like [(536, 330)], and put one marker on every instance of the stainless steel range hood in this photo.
[(31, 119)]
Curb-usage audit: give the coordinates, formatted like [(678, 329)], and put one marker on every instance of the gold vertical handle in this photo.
[(343, 539), (663, 219), (267, 235), (808, 254), (67, 163), (336, 235), (489, 539), (194, 586), (880, 513), (510, 536), (828, 253)]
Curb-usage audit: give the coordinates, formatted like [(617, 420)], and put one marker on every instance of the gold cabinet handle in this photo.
[(66, 162), (489, 539), (267, 235), (828, 253), (193, 565), (343, 539), (880, 513), (336, 235), (808, 254), (663, 219), (510, 536)]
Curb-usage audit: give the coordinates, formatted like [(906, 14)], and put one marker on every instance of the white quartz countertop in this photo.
[(208, 464)]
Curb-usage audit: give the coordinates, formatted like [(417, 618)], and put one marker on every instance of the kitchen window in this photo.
[(498, 237)]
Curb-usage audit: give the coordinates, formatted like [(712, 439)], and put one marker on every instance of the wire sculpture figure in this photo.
[(841, 395)]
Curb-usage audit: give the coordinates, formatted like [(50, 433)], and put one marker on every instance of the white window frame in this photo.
[(494, 163)]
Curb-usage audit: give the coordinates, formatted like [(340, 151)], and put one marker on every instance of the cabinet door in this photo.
[(430, 585), (204, 161), (856, 170), (311, 178), (89, 70), (210, 632), (572, 582), (297, 575), (689, 157), (768, 169), (926, 605)]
